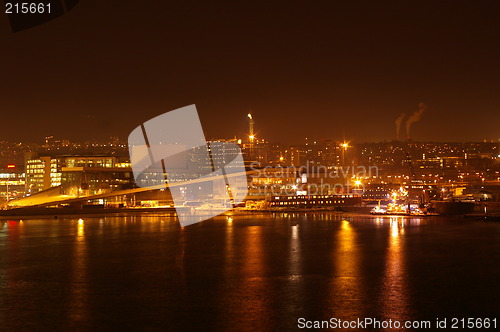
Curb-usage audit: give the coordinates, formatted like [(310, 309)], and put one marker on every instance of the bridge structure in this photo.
[(52, 197)]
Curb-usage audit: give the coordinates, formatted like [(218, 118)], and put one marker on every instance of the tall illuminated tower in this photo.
[(251, 135)]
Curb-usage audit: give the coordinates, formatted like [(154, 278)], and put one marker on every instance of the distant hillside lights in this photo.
[(332, 172), (309, 180)]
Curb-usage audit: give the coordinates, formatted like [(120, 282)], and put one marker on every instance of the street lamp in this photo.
[(9, 167), (344, 146)]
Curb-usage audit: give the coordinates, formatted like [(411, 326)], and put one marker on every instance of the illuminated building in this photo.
[(12, 184), (44, 172), (87, 180)]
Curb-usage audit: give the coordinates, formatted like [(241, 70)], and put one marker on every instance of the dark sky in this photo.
[(306, 69)]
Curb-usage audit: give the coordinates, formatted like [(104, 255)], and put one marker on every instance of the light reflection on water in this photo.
[(253, 274), (250, 272), (78, 291), (345, 292), (394, 298)]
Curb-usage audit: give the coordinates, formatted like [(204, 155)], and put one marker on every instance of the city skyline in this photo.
[(111, 141)]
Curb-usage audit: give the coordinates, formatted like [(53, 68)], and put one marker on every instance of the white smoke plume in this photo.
[(415, 117), (399, 121)]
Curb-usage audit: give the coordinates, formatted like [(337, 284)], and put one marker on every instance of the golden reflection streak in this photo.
[(229, 266), (230, 251), (394, 296), (295, 255), (247, 282), (2, 271), (253, 274), (14, 239), (229, 243), (346, 299), (78, 295)]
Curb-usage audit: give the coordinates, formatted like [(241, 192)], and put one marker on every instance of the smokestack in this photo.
[(399, 121), (415, 117)]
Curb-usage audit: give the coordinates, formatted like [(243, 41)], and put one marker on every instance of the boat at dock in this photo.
[(453, 207), (394, 209)]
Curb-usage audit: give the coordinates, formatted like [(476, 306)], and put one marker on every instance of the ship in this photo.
[(394, 209), (453, 207)]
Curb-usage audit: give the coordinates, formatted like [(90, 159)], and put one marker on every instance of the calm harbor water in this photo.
[(244, 272)]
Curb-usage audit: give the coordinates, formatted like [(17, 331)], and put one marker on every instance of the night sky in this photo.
[(306, 69)]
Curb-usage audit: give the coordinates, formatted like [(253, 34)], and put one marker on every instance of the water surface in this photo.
[(243, 273)]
